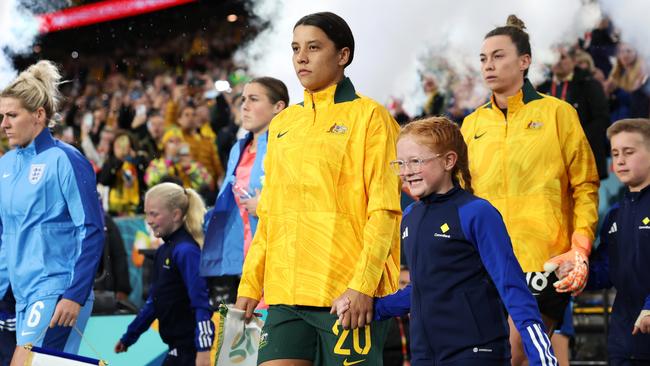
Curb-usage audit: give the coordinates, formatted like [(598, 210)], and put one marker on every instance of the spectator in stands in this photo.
[(202, 150), (466, 96), (584, 61), (601, 45), (203, 118), (435, 103), (123, 172), (625, 85), (97, 154), (226, 124), (396, 108), (177, 162), (578, 88), (233, 221), (150, 135), (4, 145), (97, 121)]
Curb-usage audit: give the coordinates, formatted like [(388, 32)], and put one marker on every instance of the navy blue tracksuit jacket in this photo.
[(178, 297), (621, 260), (463, 270)]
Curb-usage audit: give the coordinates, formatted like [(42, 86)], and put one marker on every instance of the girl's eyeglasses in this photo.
[(413, 164)]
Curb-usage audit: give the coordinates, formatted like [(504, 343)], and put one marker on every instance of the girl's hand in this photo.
[(203, 358), (340, 307), (642, 324), (120, 347)]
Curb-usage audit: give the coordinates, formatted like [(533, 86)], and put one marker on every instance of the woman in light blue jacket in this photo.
[(52, 223), (232, 222)]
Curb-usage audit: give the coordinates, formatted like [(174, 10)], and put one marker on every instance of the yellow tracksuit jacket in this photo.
[(329, 212), (536, 167)]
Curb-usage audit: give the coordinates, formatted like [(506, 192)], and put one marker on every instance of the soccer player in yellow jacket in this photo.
[(329, 212), (530, 158)]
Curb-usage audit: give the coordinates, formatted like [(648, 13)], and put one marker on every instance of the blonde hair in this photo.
[(638, 125), (171, 133), (37, 87), (188, 201), (582, 56), (626, 78), (440, 133)]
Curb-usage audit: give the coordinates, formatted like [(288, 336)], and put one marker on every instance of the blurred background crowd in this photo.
[(164, 105)]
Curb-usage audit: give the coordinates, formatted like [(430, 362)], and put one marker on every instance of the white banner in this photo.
[(238, 341), (42, 357)]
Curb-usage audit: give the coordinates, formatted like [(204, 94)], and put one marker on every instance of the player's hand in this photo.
[(120, 347), (360, 312), (642, 324), (251, 203), (575, 280), (572, 267), (248, 305), (65, 313), (203, 358)]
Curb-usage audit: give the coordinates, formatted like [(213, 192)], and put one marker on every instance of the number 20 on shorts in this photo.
[(356, 344)]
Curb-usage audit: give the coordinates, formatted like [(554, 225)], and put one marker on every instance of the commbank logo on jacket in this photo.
[(645, 222), (443, 229), (36, 173), (338, 129)]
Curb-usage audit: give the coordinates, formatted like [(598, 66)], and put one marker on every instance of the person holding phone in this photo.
[(329, 213), (123, 172), (177, 162), (231, 224)]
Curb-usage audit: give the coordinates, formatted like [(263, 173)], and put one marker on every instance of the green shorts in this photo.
[(312, 333)]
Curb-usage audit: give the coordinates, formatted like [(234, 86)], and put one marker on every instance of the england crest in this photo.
[(36, 173)]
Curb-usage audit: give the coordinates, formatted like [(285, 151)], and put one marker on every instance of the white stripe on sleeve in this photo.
[(546, 343), (542, 356)]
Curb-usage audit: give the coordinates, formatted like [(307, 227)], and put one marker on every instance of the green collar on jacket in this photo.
[(342, 92), (527, 94)]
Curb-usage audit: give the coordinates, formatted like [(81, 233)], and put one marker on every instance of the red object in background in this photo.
[(103, 11)]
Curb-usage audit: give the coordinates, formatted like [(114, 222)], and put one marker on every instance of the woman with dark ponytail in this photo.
[(530, 158), (231, 225), (462, 266), (328, 214)]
